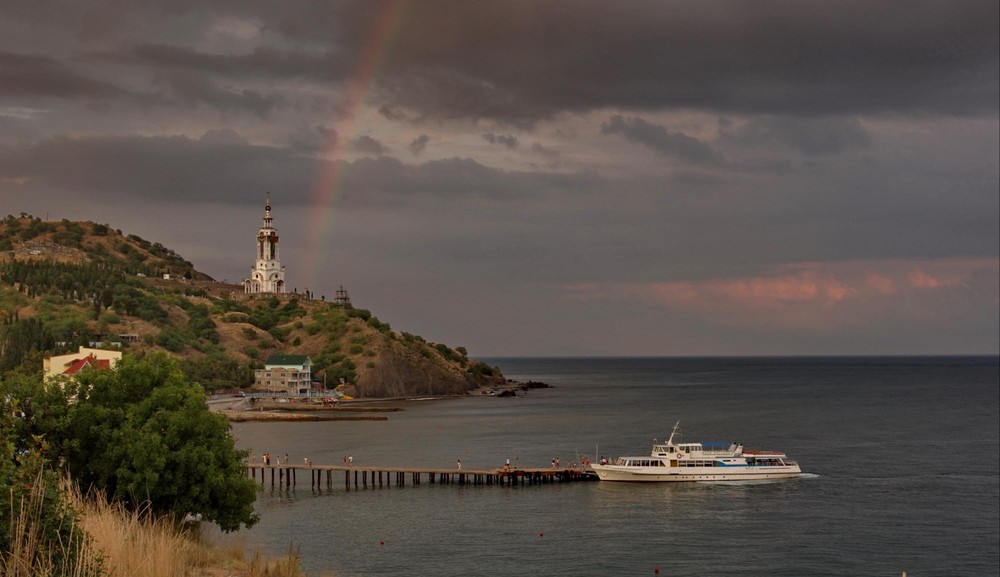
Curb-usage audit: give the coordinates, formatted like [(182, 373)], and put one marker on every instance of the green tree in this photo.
[(32, 501), (42, 413), (21, 337), (144, 434)]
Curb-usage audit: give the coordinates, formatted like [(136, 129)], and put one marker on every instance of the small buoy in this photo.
[(541, 534), (656, 570), (381, 543)]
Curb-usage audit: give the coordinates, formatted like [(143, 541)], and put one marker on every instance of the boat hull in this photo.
[(623, 474)]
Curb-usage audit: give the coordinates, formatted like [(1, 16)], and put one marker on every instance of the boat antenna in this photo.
[(676, 431)]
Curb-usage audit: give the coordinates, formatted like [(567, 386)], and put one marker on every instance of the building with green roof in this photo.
[(285, 374)]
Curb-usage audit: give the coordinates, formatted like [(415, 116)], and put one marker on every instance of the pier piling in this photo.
[(286, 476)]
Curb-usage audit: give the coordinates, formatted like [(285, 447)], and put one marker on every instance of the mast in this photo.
[(670, 441)]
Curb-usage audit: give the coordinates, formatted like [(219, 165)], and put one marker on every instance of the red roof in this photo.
[(88, 361)]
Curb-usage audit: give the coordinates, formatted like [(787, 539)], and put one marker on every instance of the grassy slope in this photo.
[(343, 343)]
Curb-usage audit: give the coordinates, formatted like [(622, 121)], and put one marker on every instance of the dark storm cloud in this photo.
[(663, 141), (393, 114), (315, 139), (507, 140), (548, 154), (772, 56), (543, 151), (519, 61), (419, 144), (812, 136), (223, 136), (217, 167), (387, 180), (182, 88), (261, 62), (222, 167), (24, 75), (368, 145)]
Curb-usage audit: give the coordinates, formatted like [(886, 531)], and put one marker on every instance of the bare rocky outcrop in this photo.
[(401, 372)]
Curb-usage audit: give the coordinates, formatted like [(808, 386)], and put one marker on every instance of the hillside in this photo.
[(65, 284)]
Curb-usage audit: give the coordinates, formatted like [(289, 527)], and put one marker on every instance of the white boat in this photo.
[(670, 462)]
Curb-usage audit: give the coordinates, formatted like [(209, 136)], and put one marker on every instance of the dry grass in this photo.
[(133, 543), (127, 543), (136, 544), (29, 555), (234, 560)]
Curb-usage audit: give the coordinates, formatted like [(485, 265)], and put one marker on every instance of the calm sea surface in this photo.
[(902, 456)]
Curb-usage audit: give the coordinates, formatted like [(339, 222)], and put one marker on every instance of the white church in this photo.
[(267, 276)]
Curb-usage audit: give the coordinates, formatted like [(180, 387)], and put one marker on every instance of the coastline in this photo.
[(268, 416), (236, 408)]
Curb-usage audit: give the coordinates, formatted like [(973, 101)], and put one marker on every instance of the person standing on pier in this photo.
[(460, 464)]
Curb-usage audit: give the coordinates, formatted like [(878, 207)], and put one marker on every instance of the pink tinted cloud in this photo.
[(923, 279), (808, 285), (824, 295), (880, 284)]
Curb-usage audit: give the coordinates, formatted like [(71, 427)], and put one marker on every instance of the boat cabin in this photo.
[(709, 448)]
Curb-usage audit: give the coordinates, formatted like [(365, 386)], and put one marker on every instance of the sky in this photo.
[(542, 177)]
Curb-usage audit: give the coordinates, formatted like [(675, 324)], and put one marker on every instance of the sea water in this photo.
[(900, 454)]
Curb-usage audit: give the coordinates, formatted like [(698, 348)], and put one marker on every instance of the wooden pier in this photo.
[(357, 477)]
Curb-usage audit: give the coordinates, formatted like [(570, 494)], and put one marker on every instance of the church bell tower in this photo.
[(267, 275)]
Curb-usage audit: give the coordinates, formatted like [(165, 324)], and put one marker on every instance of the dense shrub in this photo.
[(445, 351), (172, 339), (215, 370), (345, 370)]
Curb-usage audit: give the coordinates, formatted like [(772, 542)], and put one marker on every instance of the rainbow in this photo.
[(331, 172)]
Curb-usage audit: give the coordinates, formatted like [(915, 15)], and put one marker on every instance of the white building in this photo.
[(285, 374), (73, 363), (267, 276)]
